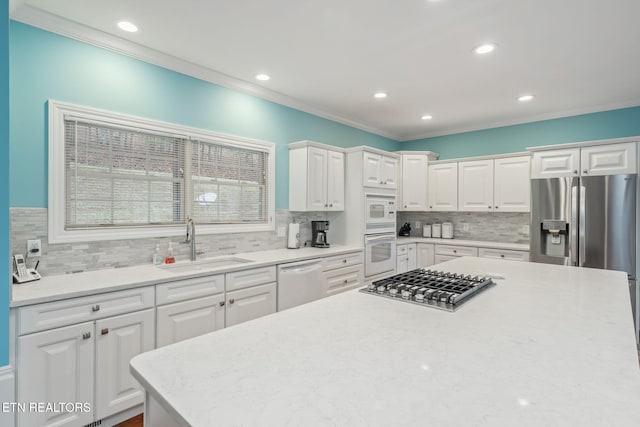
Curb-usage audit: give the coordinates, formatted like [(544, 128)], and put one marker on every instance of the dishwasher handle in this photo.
[(301, 268)]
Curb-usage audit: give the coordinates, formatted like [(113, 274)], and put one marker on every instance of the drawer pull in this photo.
[(344, 261), (232, 300), (221, 303), (105, 331), (86, 335), (345, 281), (95, 308), (455, 251), (501, 255)]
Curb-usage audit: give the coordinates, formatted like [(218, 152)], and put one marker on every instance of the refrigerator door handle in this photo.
[(573, 247), (582, 250)]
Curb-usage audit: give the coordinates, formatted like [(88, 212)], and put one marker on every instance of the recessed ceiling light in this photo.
[(485, 48), (262, 77), (380, 95), (427, 117), (127, 26), (525, 98)]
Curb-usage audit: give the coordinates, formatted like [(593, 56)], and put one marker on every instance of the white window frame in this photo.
[(56, 177)]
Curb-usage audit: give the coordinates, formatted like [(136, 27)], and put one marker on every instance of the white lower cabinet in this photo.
[(56, 366), (250, 303), (425, 255), (187, 319), (118, 340)]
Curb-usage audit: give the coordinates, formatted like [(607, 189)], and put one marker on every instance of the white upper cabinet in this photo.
[(316, 177), (475, 186), (511, 184), (379, 170), (555, 163), (593, 160), (443, 187), (609, 159), (414, 182)]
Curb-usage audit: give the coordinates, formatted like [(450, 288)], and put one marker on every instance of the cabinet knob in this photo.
[(331, 205), (575, 172), (430, 207), (344, 261), (501, 255), (345, 281), (585, 171), (455, 252), (105, 331), (325, 205), (489, 206), (86, 335), (221, 303), (497, 207), (232, 300), (95, 308)]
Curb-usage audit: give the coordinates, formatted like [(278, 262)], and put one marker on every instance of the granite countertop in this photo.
[(461, 242), (546, 346), (53, 288)]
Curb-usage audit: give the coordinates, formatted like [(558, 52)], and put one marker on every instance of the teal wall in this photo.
[(5, 283), (48, 66), (510, 139)]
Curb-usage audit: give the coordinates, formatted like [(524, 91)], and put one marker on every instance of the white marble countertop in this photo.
[(546, 346), (461, 242), (52, 288)]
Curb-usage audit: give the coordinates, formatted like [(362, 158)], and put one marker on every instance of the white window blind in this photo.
[(229, 184), (122, 177)]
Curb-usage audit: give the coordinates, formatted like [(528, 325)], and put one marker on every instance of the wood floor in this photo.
[(132, 422)]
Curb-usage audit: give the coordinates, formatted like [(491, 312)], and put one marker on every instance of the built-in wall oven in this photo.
[(380, 213), (380, 253)]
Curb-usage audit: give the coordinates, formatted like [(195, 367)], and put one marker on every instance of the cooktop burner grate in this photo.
[(439, 289)]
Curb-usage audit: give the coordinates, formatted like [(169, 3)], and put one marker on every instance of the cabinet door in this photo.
[(317, 179), (512, 184), (251, 303), (414, 182), (118, 340), (56, 366), (335, 181), (371, 169), (609, 159), (412, 260), (425, 255), (188, 319), (402, 264), (389, 172), (475, 186), (443, 187), (555, 163)]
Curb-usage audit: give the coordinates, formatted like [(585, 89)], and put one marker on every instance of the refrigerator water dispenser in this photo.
[(554, 235)]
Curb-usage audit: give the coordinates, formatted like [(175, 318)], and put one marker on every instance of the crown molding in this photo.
[(530, 119), (77, 31)]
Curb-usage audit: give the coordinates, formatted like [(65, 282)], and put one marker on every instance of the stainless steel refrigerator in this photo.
[(589, 222)]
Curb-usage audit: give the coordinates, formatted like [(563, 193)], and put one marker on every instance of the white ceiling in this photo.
[(329, 57)]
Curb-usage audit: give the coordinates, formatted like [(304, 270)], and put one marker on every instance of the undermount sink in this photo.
[(205, 264)]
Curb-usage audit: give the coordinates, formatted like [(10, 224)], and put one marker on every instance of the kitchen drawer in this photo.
[(456, 250), (252, 277), (401, 249), (343, 279), (339, 261), (183, 290), (50, 315), (503, 254)]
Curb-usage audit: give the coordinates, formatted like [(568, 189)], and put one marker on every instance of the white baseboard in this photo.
[(7, 394)]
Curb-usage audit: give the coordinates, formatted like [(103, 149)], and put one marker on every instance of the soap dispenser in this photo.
[(170, 259), (157, 258)]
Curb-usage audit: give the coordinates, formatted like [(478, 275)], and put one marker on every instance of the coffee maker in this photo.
[(319, 234)]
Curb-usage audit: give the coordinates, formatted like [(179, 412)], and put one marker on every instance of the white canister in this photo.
[(426, 230), (436, 230), (447, 230)]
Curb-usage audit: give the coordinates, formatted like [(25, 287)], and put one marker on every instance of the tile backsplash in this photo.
[(31, 223), (495, 227)]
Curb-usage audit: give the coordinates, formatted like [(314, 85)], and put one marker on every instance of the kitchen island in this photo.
[(546, 346)]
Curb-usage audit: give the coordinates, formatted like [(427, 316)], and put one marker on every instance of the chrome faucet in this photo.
[(191, 237)]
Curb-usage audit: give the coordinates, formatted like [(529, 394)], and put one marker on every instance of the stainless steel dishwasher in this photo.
[(299, 283)]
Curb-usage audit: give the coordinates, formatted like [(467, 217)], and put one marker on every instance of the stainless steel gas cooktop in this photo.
[(439, 289)]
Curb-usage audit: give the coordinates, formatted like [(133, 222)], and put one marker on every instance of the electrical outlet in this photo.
[(525, 229), (282, 231), (34, 247), (465, 226), (417, 224)]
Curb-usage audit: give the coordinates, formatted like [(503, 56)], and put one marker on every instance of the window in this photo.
[(113, 176)]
